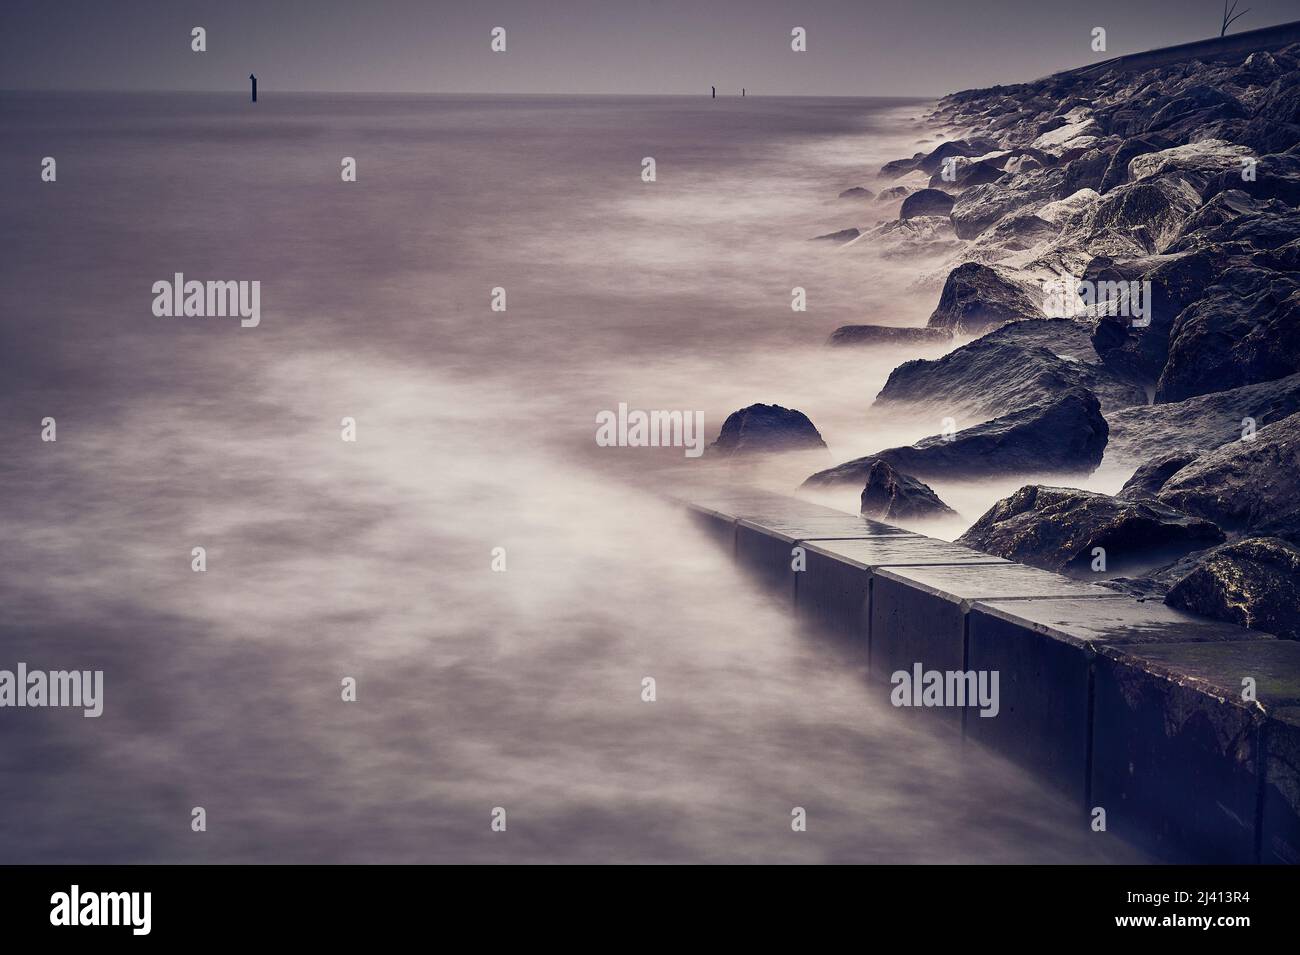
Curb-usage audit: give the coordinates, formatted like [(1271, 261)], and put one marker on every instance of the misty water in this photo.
[(475, 430)]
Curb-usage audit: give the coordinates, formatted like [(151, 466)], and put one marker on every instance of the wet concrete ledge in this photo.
[(1124, 705)]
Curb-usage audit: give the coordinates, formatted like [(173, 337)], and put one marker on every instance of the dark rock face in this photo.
[(1140, 352), (844, 235), (977, 297), (1254, 583), (857, 192), (1248, 486), (1275, 177), (981, 206), (931, 161), (1141, 218), (890, 495), (1245, 329), (1147, 480), (1058, 528), (926, 202), (886, 335), (894, 193), (1066, 435), (1140, 434), (1005, 370), (967, 173), (765, 429), (1116, 172)]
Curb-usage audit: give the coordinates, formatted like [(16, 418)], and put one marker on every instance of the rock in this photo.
[(1281, 104), (1141, 218), (886, 335), (844, 235), (1196, 163), (922, 235), (1180, 114), (1275, 177), (1087, 171), (1117, 170), (857, 192), (894, 193), (1245, 329), (1013, 367), (1061, 436), (1147, 480), (1247, 486), (765, 429), (1129, 348), (1068, 137), (891, 496), (970, 172), (926, 202), (1058, 529), (979, 207), (930, 162), (977, 297), (1254, 583), (1141, 434)]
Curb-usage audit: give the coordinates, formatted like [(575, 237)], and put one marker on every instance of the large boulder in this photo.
[(1254, 583), (1141, 434), (1066, 435), (857, 192), (1247, 486), (887, 335), (1141, 218), (979, 207), (1015, 366), (1195, 163), (1117, 169), (761, 429), (1139, 347), (890, 495), (1271, 177), (978, 297), (1245, 329), (926, 202), (1147, 480), (930, 162), (1060, 529)]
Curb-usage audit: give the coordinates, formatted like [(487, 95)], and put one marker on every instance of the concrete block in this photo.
[(918, 614), (833, 593), (766, 547), (1044, 652), (1280, 819), (1178, 754)]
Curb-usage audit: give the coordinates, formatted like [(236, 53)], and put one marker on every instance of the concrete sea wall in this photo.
[(1184, 731)]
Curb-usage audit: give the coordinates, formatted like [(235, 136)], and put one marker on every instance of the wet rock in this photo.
[(1254, 583), (844, 235), (1196, 163), (979, 207), (895, 193), (1140, 351), (1016, 366), (1198, 105), (930, 162), (1281, 104), (857, 192), (892, 496), (766, 429), (1274, 177), (1247, 486), (926, 202), (1117, 169), (1147, 480), (849, 335), (1141, 434), (970, 172), (1141, 218), (1059, 528), (978, 297), (1066, 435), (921, 235), (1245, 329)]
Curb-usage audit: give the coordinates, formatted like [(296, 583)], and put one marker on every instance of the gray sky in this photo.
[(855, 47)]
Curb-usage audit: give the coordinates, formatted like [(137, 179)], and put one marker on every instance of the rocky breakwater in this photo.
[(1126, 245)]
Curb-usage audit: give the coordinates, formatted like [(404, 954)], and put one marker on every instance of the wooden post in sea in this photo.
[(254, 82), (715, 92)]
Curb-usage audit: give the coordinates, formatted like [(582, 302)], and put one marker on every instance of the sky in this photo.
[(854, 47)]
